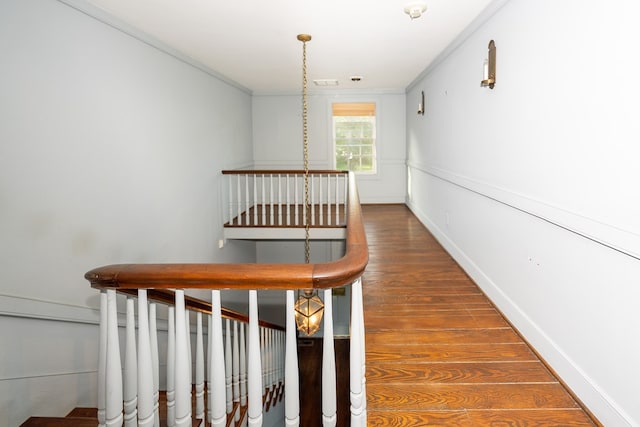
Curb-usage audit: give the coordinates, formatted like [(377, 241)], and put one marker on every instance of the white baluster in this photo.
[(346, 195), (312, 198), (329, 406), (291, 380), (183, 365), (239, 199), (247, 201), (199, 368), (358, 392), (102, 360), (295, 200), (279, 199), (288, 199), (235, 370), (264, 203), (303, 200), (272, 359), (329, 199), (171, 367), (230, 199), (217, 381), (255, 200), (187, 325), (272, 212), (155, 364), (145, 364), (263, 359), (130, 369), (254, 375), (337, 199), (320, 199), (243, 367), (208, 376), (228, 366), (113, 410)]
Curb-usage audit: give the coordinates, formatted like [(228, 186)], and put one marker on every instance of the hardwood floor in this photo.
[(437, 351)]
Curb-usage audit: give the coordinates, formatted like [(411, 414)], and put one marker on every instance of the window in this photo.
[(354, 136)]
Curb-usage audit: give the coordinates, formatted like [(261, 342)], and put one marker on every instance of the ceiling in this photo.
[(253, 42)]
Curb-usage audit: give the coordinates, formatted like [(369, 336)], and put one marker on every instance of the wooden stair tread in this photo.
[(60, 422)]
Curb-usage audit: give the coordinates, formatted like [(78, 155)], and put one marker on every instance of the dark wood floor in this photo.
[(437, 351)]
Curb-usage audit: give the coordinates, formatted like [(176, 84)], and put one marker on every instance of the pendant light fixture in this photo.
[(309, 308)]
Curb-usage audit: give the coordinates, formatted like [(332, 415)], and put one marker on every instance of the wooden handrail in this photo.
[(166, 296), (248, 276), (282, 172)]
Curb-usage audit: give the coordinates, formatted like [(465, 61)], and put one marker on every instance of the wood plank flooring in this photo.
[(437, 351)]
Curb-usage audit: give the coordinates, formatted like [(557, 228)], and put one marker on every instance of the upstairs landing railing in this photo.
[(270, 204), (145, 279)]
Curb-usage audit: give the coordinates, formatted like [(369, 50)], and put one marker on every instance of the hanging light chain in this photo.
[(304, 38)]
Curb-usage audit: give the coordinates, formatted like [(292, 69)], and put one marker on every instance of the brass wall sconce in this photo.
[(421, 104), (489, 71)]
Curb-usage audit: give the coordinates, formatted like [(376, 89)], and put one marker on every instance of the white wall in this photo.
[(110, 152), (277, 133), (532, 186)]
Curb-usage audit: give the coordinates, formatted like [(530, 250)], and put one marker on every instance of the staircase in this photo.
[(88, 417)]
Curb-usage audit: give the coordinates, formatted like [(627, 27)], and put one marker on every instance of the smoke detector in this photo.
[(415, 9)]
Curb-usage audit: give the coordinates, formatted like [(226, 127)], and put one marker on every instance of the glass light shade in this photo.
[(309, 310)]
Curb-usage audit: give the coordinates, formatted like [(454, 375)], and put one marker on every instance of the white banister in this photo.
[(288, 199), (187, 324), (328, 199), (329, 392), (228, 366), (254, 364), (171, 367), (264, 202), (243, 367), (255, 198), (295, 200), (235, 371), (102, 360), (291, 380), (321, 220), (247, 218), (208, 366), (217, 380), (183, 365), (230, 202), (145, 367), (272, 212), (113, 368), (263, 358), (199, 368), (356, 359), (279, 199), (312, 199), (239, 200), (155, 363), (130, 393)]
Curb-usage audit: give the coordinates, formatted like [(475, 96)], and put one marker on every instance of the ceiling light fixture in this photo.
[(309, 308), (415, 9)]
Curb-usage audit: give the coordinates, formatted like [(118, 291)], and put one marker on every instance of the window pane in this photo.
[(354, 127)]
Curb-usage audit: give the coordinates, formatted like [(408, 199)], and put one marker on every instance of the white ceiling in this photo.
[(253, 42)]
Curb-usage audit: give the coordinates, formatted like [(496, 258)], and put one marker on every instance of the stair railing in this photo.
[(263, 351)]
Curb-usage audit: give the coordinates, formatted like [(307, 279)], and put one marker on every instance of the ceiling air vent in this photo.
[(325, 82)]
